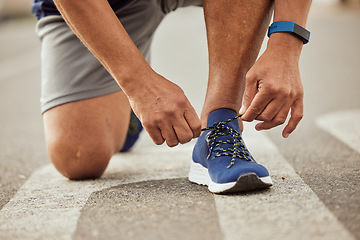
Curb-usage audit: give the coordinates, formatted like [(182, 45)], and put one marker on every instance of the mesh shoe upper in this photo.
[(222, 150)]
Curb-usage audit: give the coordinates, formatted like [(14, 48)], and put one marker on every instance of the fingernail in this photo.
[(286, 135), (242, 110)]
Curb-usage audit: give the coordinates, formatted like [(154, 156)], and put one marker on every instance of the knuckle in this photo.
[(179, 100), (265, 117), (280, 91), (158, 120), (147, 124), (256, 110), (298, 116), (301, 92), (169, 112), (250, 76), (182, 102), (284, 92), (279, 121), (186, 138), (247, 97), (197, 131), (189, 136), (270, 89), (297, 94), (292, 94)]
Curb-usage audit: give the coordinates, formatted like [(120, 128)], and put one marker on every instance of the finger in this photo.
[(241, 125), (297, 112), (168, 133), (272, 110), (193, 122), (256, 107), (155, 135), (251, 90), (279, 119), (183, 132)]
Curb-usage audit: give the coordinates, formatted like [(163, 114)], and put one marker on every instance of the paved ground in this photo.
[(145, 194)]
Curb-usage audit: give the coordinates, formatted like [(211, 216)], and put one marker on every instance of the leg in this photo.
[(82, 136), (235, 31), (86, 116)]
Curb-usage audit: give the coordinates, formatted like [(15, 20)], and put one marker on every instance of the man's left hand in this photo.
[(273, 88)]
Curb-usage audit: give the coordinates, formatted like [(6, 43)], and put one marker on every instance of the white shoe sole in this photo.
[(246, 182)]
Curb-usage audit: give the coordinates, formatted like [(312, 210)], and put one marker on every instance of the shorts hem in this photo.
[(92, 93)]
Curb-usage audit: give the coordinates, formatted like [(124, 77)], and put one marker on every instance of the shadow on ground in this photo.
[(156, 209)]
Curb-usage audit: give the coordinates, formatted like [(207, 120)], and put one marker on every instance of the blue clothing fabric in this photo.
[(43, 8)]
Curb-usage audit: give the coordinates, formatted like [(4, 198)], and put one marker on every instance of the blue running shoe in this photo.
[(221, 160), (133, 133)]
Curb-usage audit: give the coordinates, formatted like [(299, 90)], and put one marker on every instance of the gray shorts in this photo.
[(70, 72)]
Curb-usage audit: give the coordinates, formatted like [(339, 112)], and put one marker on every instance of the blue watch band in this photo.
[(290, 27)]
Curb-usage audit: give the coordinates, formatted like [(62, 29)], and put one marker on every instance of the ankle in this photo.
[(206, 112)]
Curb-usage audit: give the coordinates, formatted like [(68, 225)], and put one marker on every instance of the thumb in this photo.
[(251, 88), (242, 110)]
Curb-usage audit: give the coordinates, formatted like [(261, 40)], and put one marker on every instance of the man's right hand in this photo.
[(164, 111), (161, 106)]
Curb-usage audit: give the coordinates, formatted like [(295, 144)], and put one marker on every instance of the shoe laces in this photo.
[(238, 149)]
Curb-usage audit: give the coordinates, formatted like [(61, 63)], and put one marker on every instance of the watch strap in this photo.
[(290, 27)]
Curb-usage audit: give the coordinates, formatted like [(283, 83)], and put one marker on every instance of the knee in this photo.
[(79, 161)]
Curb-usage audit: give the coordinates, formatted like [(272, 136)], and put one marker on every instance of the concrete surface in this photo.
[(145, 194), (134, 201)]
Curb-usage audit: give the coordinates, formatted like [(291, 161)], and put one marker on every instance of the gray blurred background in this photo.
[(330, 70), (14, 8)]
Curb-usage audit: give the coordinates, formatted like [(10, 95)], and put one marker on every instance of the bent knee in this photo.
[(79, 161)]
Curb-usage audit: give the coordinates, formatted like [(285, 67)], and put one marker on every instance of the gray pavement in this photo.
[(145, 194)]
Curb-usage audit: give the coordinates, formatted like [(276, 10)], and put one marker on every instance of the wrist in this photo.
[(285, 42), (131, 77)]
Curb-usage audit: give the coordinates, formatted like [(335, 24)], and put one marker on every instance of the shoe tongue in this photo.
[(222, 115)]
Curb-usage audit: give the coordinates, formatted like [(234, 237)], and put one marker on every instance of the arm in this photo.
[(161, 105), (273, 84), (101, 34)]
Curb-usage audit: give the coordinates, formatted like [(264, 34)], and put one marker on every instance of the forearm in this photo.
[(100, 30), (290, 10), (161, 105)]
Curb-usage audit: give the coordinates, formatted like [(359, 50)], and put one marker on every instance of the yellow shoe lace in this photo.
[(238, 149)]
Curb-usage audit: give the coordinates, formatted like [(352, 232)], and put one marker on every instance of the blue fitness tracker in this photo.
[(290, 27)]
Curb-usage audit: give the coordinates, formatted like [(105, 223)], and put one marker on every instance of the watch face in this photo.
[(302, 33)]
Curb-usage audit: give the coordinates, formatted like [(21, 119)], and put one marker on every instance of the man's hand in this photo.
[(161, 106), (164, 111), (273, 87)]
